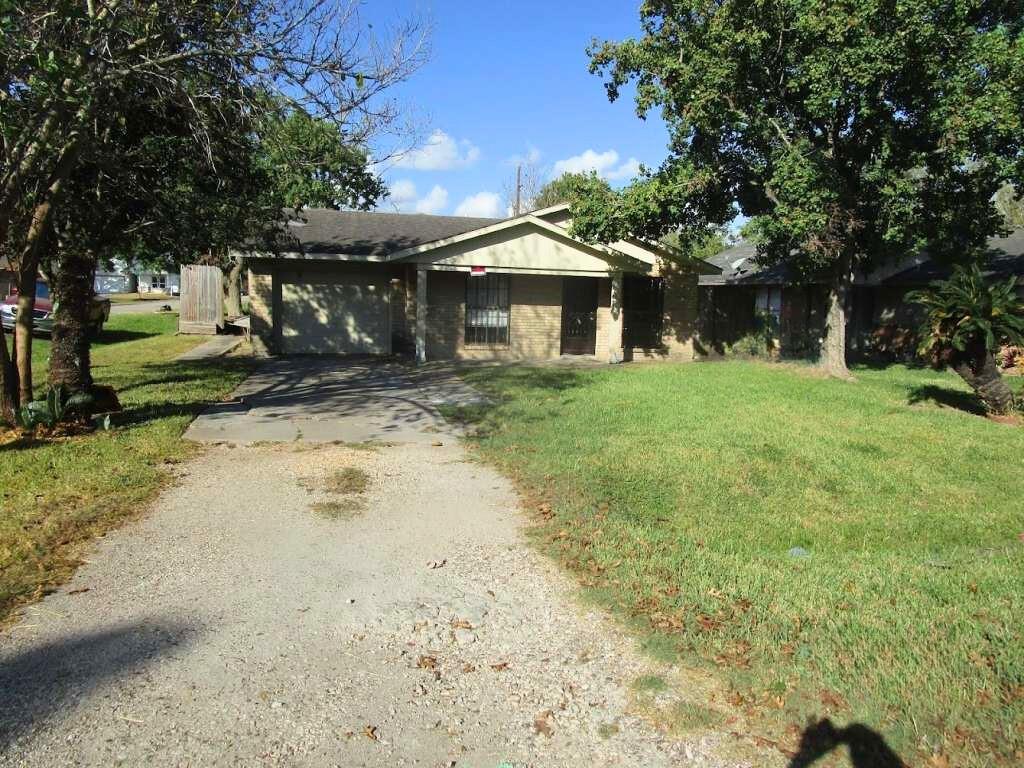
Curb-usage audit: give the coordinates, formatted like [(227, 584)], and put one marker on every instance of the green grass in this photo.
[(676, 493), (57, 494)]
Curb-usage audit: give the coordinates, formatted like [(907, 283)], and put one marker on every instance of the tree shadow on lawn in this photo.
[(186, 375), (41, 680), (867, 747), (500, 380), (946, 398), (118, 335)]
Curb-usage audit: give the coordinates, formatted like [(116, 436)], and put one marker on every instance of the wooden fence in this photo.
[(202, 300)]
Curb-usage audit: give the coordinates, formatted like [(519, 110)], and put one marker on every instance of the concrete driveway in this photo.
[(260, 615), (332, 399)]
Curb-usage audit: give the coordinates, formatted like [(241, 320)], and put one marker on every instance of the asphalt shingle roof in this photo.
[(739, 265), (371, 233)]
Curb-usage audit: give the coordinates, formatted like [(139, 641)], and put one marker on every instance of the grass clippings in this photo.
[(343, 490), (338, 509)]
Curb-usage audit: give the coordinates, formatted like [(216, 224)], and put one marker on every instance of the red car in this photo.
[(42, 314)]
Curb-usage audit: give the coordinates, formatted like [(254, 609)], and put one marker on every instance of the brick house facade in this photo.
[(515, 289)]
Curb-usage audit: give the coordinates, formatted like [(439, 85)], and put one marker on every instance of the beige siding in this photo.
[(535, 323), (523, 247)]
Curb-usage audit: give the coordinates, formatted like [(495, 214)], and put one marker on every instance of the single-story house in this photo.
[(159, 282), (119, 280), (743, 297), (450, 287)]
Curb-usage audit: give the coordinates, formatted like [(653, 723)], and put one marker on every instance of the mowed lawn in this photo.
[(678, 494), (56, 494)]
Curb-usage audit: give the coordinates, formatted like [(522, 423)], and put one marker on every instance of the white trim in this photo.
[(518, 270), (421, 316), (550, 209)]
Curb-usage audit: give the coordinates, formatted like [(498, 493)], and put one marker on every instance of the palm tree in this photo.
[(967, 319)]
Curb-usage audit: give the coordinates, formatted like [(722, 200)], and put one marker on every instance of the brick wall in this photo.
[(680, 320), (261, 300), (535, 322)]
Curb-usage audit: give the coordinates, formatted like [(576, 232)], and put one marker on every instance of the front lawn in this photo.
[(57, 494), (818, 547)]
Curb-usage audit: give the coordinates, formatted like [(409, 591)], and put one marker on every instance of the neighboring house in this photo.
[(745, 297), (119, 280), (452, 287), (159, 282)]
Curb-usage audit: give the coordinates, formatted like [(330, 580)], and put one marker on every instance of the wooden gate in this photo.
[(202, 300)]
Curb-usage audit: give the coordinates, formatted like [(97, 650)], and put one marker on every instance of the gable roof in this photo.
[(370, 233), (376, 236), (502, 224)]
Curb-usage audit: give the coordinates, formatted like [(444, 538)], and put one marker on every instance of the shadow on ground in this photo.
[(116, 336), (867, 748), (39, 681), (948, 398)]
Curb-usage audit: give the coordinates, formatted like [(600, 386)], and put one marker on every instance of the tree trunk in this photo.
[(233, 288), (70, 364), (23, 336), (8, 383), (37, 236), (979, 370), (833, 346)]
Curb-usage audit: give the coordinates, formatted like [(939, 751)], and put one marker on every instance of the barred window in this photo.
[(487, 309)]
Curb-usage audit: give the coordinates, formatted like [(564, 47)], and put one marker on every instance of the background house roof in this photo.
[(365, 233), (1005, 256)]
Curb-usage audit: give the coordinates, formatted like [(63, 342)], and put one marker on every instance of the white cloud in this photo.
[(606, 164), (532, 157), (404, 197), (485, 205), (434, 202), (587, 162), (440, 153), (402, 192), (628, 170)]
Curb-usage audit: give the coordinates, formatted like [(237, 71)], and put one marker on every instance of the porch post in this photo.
[(421, 315), (615, 354)]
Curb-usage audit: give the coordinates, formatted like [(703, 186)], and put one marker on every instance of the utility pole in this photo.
[(519, 189)]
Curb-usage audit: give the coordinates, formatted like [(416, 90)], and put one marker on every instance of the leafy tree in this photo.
[(69, 70), (850, 131), (564, 188), (967, 319)]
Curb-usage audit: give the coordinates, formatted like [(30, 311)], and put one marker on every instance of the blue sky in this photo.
[(510, 80)]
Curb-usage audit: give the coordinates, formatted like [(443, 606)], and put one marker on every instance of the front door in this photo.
[(579, 315)]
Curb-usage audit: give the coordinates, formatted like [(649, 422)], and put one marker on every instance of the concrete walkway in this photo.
[(329, 399), (215, 347)]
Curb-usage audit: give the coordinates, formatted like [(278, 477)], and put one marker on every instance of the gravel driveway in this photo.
[(266, 613)]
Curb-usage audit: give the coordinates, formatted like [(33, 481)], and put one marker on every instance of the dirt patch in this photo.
[(339, 492), (338, 509)]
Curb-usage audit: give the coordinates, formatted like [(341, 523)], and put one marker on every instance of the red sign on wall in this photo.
[(477, 271)]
